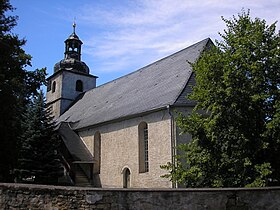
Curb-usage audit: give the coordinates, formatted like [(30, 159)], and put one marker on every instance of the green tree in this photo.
[(16, 86), (39, 158), (235, 125)]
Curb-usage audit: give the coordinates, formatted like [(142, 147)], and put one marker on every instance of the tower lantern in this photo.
[(73, 45)]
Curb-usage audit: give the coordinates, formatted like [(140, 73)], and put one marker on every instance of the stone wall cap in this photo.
[(54, 187)]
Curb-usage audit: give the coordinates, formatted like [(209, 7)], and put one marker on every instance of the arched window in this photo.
[(79, 86), (126, 178), (143, 147), (53, 86), (97, 152)]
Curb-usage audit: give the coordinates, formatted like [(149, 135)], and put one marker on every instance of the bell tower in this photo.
[(71, 77)]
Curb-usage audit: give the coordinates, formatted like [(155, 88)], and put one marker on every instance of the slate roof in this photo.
[(181, 100), (150, 88)]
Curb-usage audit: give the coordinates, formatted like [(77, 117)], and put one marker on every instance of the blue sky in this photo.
[(121, 36)]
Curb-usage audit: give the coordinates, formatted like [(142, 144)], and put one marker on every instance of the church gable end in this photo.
[(182, 99)]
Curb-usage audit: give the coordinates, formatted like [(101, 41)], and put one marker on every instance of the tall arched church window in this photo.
[(53, 86), (143, 147), (97, 152), (79, 86)]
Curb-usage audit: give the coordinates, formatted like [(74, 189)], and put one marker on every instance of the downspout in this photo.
[(173, 143)]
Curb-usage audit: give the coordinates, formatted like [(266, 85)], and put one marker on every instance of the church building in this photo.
[(119, 134)]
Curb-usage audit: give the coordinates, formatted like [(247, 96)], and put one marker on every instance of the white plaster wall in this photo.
[(69, 84), (51, 96), (119, 149), (65, 91)]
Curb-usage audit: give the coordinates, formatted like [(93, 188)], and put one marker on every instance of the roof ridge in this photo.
[(134, 72)]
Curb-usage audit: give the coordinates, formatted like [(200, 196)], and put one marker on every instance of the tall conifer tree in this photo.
[(39, 159), (16, 86)]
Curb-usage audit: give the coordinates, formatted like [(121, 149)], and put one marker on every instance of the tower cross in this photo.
[(74, 26)]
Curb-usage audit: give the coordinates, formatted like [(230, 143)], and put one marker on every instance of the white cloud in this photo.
[(133, 30)]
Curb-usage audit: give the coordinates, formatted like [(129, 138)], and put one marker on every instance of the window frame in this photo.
[(79, 86), (143, 143), (53, 86)]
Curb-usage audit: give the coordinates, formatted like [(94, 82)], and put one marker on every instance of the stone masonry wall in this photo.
[(23, 196), (120, 150)]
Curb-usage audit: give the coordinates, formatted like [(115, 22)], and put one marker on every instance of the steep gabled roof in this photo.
[(150, 88)]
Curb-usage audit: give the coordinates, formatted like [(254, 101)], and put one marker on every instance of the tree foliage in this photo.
[(16, 86), (235, 125), (39, 158)]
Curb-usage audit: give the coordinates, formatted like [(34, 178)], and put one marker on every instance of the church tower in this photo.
[(71, 77)]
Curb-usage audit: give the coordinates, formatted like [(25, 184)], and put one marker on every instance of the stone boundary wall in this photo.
[(24, 196)]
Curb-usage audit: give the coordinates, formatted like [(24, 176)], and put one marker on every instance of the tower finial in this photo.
[(74, 26)]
